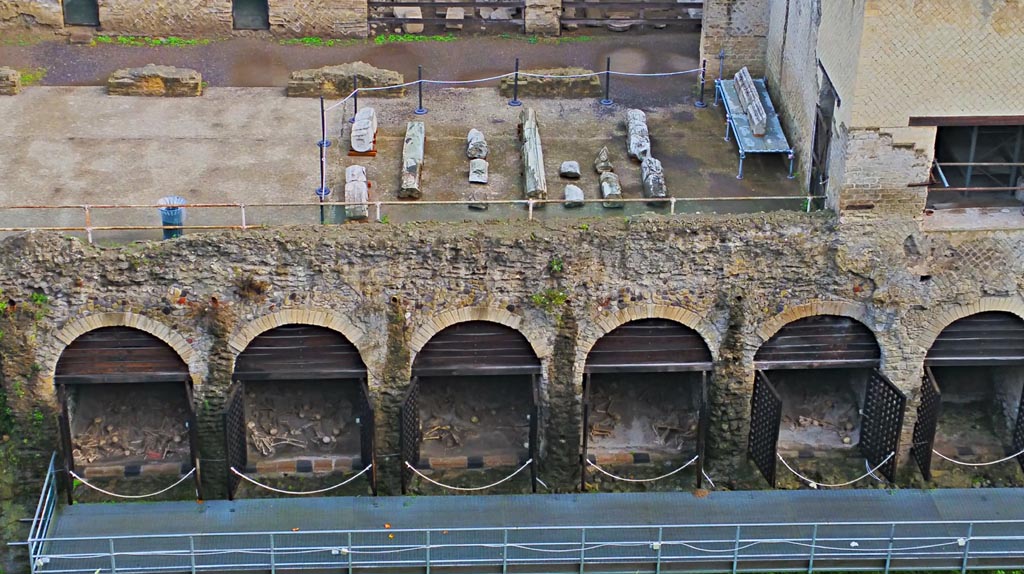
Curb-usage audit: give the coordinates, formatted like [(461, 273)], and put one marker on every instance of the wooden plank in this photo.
[(824, 341), (296, 352), (476, 347), (119, 354), (653, 345), (989, 338)]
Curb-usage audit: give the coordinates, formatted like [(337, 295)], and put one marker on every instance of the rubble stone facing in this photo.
[(388, 288), (31, 13), (588, 87), (336, 81), (10, 82), (153, 80)]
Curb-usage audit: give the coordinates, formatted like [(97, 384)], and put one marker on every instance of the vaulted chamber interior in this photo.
[(299, 405), (819, 398), (126, 406), (645, 403), (472, 402), (970, 408)]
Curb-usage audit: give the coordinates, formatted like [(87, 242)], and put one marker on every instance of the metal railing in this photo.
[(619, 549), (241, 215), (44, 510), (937, 167)]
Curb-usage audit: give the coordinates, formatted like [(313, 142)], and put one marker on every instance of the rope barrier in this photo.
[(708, 478), (653, 74), (130, 496), (306, 492), (624, 479), (453, 82), (464, 489), (975, 464), (815, 485)]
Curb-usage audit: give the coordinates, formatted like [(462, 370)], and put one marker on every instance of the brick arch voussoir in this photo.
[(306, 316), (857, 311), (446, 319)]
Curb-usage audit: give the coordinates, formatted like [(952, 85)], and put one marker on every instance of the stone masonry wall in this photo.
[(30, 13), (180, 17), (327, 18), (736, 280), (741, 28)]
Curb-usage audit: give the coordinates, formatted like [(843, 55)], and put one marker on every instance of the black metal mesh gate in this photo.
[(193, 440), (409, 434), (765, 419), (234, 436), (64, 421), (927, 419), (883, 420), (702, 427), (366, 432), (1018, 432), (586, 432), (81, 13)]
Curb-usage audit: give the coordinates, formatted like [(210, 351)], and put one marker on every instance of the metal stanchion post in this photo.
[(703, 73), (420, 110), (323, 191), (721, 72), (355, 99), (607, 101), (515, 87)]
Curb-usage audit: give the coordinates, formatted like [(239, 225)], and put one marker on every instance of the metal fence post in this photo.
[(420, 110), (529, 207), (888, 552), (244, 225), (192, 553), (814, 541), (967, 548), (515, 88), (355, 99), (504, 552), (703, 72), (583, 547), (273, 558), (736, 550), (672, 206), (428, 552), (349, 553), (113, 561), (607, 101), (657, 563), (88, 223)]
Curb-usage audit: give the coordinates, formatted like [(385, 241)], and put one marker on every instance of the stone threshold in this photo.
[(472, 462), (306, 465), (133, 470)]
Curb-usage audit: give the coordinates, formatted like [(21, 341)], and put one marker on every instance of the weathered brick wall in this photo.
[(734, 279), (741, 28), (180, 17), (879, 167), (327, 18), (30, 13)]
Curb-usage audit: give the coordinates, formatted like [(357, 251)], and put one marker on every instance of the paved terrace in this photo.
[(649, 532), (76, 145)]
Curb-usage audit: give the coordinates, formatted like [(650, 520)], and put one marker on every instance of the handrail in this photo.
[(44, 510), (245, 221)]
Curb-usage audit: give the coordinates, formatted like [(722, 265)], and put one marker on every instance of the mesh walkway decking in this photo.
[(608, 533)]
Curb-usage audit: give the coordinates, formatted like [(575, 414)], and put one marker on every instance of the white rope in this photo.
[(871, 473), (332, 106), (814, 484), (711, 482), (306, 492), (454, 82), (463, 489), (653, 75), (962, 463), (559, 77), (392, 87), (624, 479), (130, 496)]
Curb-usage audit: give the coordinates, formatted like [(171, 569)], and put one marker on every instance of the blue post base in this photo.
[(420, 111), (323, 192), (324, 143), (515, 103), (606, 102), (700, 104)]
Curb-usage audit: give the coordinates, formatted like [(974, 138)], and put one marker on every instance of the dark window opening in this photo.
[(979, 410), (81, 13), (250, 14), (978, 166)]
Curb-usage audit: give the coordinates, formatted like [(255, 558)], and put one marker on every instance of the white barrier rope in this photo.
[(306, 492), (815, 485), (711, 482), (453, 82), (463, 489), (653, 74), (624, 479), (962, 463), (130, 496), (561, 77)]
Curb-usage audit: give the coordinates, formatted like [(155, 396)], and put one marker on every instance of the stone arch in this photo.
[(934, 327), (857, 311), (316, 317), (446, 319), (680, 315), (75, 329)]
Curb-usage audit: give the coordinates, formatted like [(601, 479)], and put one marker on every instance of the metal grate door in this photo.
[(81, 13), (702, 427), (765, 419), (924, 428), (234, 436), (409, 434), (1018, 432), (882, 423), (367, 428), (585, 446), (193, 440), (64, 422), (534, 434)]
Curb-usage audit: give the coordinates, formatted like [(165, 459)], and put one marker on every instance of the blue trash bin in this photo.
[(172, 216)]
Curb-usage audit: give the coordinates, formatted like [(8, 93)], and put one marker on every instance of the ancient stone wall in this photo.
[(740, 27), (180, 17), (327, 18), (736, 280), (31, 13)]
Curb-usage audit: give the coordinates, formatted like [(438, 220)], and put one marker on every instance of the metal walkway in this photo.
[(605, 533)]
